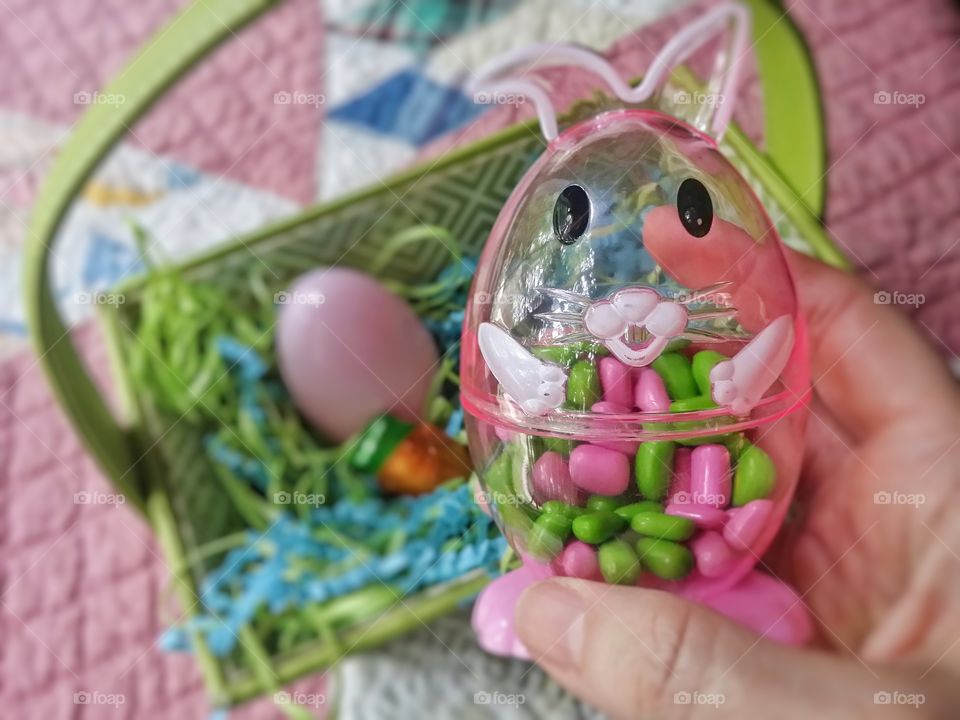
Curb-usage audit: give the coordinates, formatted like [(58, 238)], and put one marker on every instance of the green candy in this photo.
[(557, 445), (603, 502), (558, 507), (694, 404), (677, 375), (618, 563), (546, 537), (583, 386), (702, 364), (654, 468), (665, 559), (566, 354), (754, 477), (597, 526), (559, 354), (665, 527), (627, 512)]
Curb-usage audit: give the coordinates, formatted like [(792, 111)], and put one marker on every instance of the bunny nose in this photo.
[(603, 321), (635, 304)]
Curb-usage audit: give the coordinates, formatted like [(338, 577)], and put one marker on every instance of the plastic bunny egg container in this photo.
[(634, 366)]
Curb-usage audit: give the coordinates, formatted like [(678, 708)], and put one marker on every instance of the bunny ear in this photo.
[(501, 80)]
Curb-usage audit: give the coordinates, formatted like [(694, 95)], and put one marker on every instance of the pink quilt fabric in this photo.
[(81, 584)]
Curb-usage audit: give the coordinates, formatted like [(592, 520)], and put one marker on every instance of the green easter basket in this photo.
[(161, 466)]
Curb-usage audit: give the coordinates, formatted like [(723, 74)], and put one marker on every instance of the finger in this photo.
[(760, 284), (645, 653), (869, 364)]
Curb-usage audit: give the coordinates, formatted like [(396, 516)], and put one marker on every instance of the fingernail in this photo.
[(550, 620)]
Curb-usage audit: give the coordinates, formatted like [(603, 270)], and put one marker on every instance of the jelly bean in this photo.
[(546, 537), (692, 404), (602, 502), (608, 408), (755, 475), (583, 385), (566, 354), (558, 445), (664, 558), (704, 516), (714, 557), (619, 563), (599, 470), (677, 375), (598, 525), (559, 354), (710, 475), (650, 394), (628, 511), (701, 366), (551, 480), (654, 467), (627, 447), (554, 522), (696, 404), (617, 382), (578, 560), (680, 482), (745, 524), (557, 507), (666, 527), (503, 434)]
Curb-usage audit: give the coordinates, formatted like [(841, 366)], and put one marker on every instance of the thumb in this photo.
[(633, 653)]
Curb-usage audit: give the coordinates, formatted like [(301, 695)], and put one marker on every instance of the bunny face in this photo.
[(632, 234)]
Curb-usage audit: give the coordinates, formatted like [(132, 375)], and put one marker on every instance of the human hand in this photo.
[(880, 578)]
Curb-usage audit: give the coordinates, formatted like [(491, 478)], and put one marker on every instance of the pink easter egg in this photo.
[(349, 350)]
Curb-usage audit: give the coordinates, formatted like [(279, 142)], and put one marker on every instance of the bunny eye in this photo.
[(571, 214), (695, 207)]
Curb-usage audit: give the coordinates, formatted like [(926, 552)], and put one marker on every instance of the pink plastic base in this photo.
[(760, 602)]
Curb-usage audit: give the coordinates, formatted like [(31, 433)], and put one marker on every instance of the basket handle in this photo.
[(192, 34)]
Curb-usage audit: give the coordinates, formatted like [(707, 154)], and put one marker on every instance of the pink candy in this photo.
[(705, 516), (578, 560), (627, 447), (616, 381), (710, 475), (599, 470), (551, 480), (680, 484), (714, 557), (745, 524), (650, 394)]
